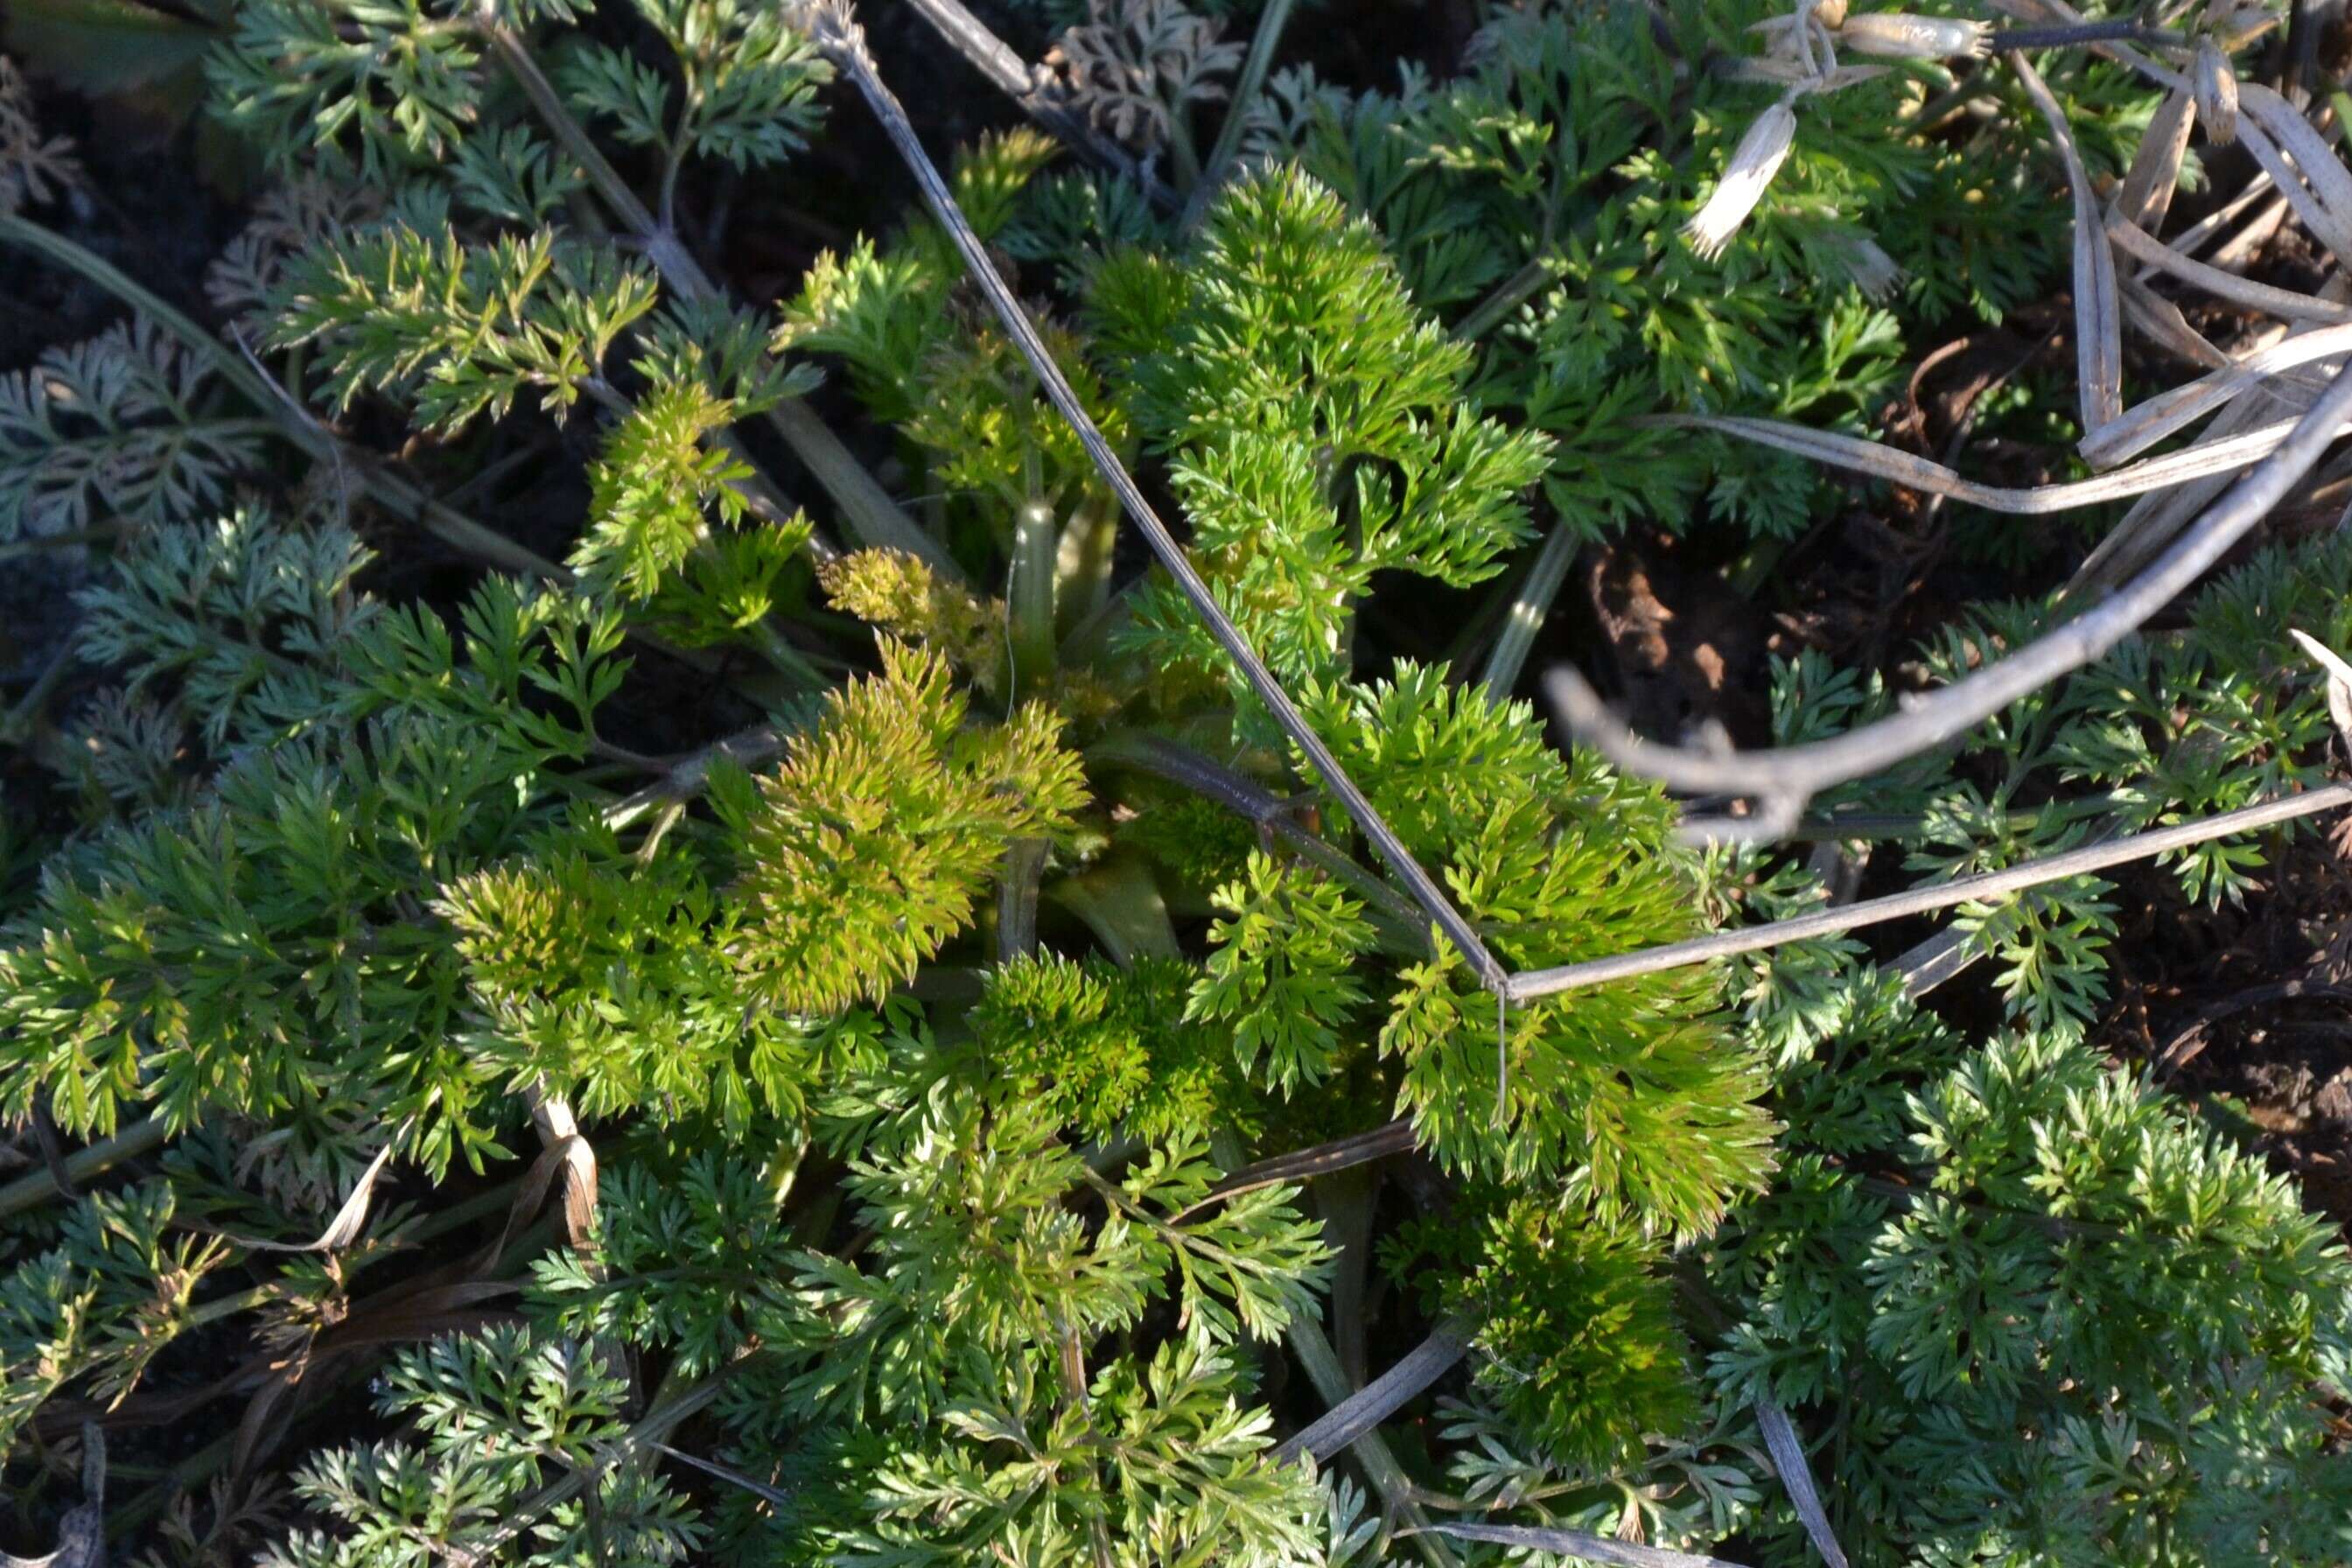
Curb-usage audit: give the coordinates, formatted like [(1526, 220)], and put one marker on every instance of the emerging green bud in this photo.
[(1753, 163), (1898, 35)]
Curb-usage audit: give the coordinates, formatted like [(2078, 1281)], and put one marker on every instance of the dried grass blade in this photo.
[(2154, 172), (1578, 1543), (2099, 319), (832, 24), (1884, 462), (2325, 226), (1341, 1425), (2156, 520), (2170, 412), (2199, 235), (350, 1219), (2160, 319), (2141, 246), (1789, 1457), (2314, 159), (2152, 522)]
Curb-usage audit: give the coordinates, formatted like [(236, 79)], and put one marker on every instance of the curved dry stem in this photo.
[(1781, 781)]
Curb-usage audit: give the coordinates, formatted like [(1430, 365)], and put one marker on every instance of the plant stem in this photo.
[(1510, 294), (1208, 777), (685, 777), (1372, 1455), (1322, 1160), (38, 1187), (1354, 1418), (19, 722), (1530, 606), (1263, 45), (1530, 984), (1029, 598), (1016, 902)]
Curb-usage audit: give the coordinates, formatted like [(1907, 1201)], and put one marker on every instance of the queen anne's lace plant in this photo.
[(811, 1017)]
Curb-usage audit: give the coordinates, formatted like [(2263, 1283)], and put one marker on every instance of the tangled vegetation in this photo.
[(635, 929)]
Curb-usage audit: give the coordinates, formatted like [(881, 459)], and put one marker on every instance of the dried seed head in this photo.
[(1798, 48), (2216, 86), (1830, 13), (1899, 35), (1873, 270), (1753, 163)]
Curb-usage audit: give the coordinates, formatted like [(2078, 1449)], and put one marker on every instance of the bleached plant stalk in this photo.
[(2141, 246), (2207, 459), (2169, 413), (2098, 320), (1530, 984), (1020, 81)]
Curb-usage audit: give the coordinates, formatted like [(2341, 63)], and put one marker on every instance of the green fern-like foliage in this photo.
[(1318, 419), (1995, 1265), (819, 1021), (501, 1414), (1583, 1354), (124, 425), (1111, 1049), (868, 848), (1629, 1094)]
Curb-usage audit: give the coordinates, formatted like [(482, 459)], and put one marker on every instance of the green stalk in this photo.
[(1268, 38), (1510, 294), (1528, 608), (1029, 598), (289, 420), (1372, 1455), (36, 1188)]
